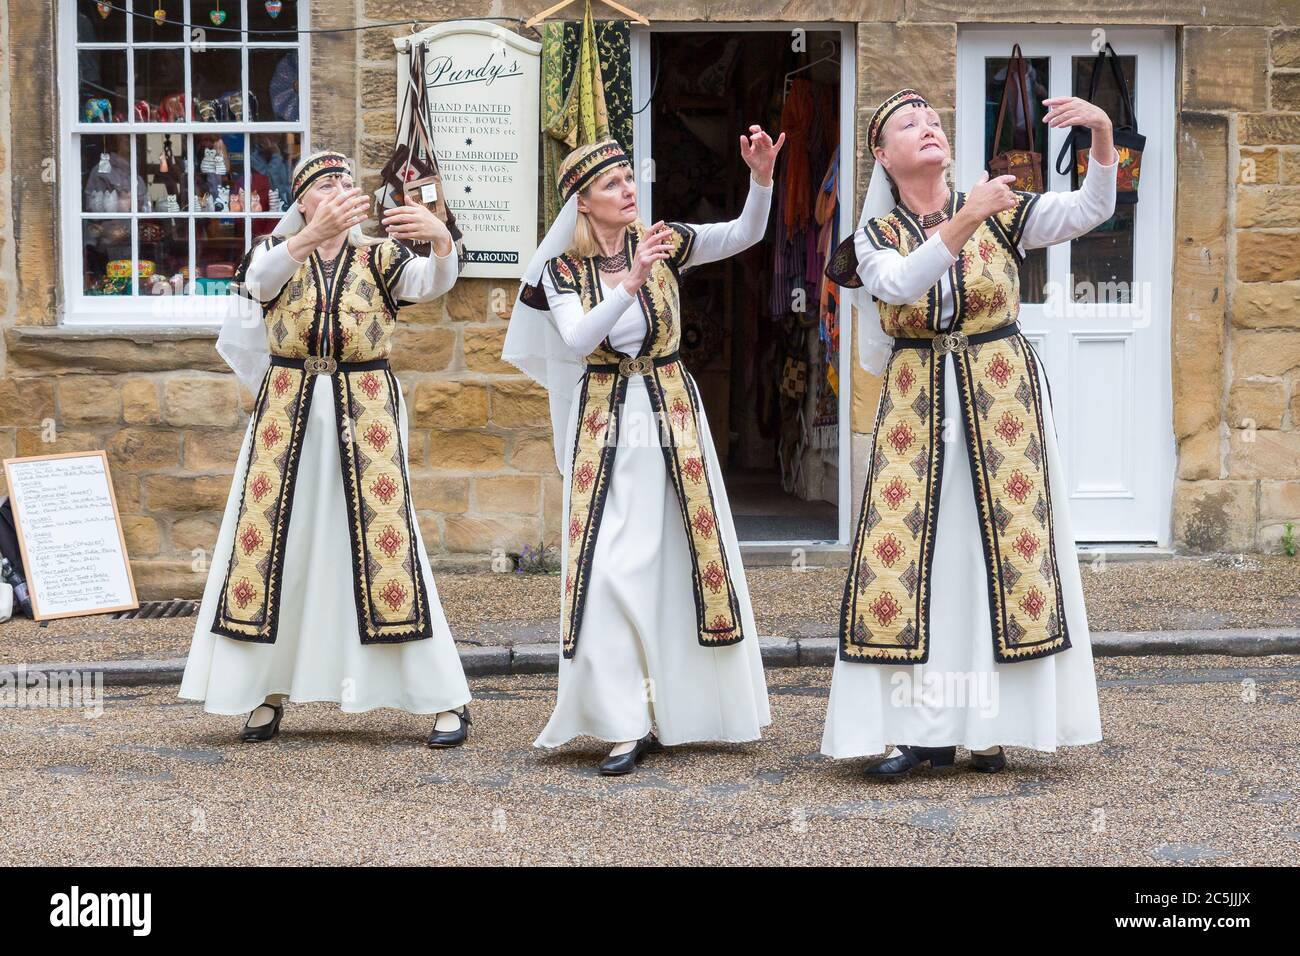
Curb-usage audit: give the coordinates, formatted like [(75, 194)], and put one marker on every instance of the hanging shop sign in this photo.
[(482, 84)]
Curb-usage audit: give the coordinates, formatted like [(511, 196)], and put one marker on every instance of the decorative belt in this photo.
[(327, 364), (957, 340), (631, 365)]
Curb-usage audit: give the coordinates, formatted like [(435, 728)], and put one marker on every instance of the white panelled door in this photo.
[(1096, 308)]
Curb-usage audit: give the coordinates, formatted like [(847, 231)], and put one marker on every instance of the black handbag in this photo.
[(1129, 143)]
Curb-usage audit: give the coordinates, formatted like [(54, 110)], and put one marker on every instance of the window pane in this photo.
[(218, 19), (215, 74), (220, 247), (149, 30), (98, 23), (163, 160), (273, 157), (273, 82), (159, 79), (102, 85), (106, 256), (219, 174), (1020, 127), (106, 174), (1101, 262), (164, 246), (270, 16)]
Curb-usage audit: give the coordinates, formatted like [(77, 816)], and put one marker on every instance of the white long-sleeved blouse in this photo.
[(619, 314), (422, 278), (898, 280)]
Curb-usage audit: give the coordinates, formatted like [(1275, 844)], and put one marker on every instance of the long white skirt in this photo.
[(318, 654), (962, 696), (638, 659)]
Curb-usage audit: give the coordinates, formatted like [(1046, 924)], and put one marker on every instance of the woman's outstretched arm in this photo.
[(1058, 216)]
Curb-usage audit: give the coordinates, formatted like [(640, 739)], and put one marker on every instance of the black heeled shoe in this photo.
[(909, 758), (989, 763), (626, 763), (264, 731), (451, 738)]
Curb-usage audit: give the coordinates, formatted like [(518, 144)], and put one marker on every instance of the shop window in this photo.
[(178, 148)]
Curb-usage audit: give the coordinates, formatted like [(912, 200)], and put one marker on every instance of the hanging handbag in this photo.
[(1023, 163), (1129, 143), (412, 169)]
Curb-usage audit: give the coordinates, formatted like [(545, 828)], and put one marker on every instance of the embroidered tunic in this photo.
[(347, 318), (600, 322), (968, 317)]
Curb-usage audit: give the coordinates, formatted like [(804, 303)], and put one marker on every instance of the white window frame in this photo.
[(848, 217), (161, 311)]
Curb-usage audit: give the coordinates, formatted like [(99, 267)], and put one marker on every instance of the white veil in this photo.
[(533, 344), (874, 344)]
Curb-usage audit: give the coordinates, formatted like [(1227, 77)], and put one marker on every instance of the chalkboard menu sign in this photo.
[(70, 534)]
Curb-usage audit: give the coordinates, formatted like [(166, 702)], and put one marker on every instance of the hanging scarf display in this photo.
[(586, 74)]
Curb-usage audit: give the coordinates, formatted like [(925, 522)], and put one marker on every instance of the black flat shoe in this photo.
[(265, 731), (451, 738), (909, 758), (626, 763), (989, 763)]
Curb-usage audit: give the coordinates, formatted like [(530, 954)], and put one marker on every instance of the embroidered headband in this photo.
[(585, 163), (887, 109), (322, 164)]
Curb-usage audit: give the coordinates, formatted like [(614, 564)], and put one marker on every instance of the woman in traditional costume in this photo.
[(320, 588), (963, 620), (656, 625)]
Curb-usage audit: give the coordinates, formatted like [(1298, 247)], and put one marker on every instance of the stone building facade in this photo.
[(171, 417)]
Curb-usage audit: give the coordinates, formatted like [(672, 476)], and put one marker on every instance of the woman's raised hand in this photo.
[(339, 213), (654, 246), (1073, 111), (988, 197), (416, 222), (759, 153)]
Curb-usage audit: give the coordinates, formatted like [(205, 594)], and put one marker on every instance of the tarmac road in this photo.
[(1199, 764)]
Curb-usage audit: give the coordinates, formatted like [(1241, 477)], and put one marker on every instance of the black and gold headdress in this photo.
[(585, 163), (887, 109), (326, 163)]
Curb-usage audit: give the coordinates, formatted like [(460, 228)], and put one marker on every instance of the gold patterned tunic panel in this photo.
[(676, 402), (885, 610), (317, 319)]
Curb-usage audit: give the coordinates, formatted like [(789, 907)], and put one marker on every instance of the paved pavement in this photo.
[(1199, 764)]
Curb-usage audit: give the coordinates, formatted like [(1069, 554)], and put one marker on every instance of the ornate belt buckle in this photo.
[(946, 342), (320, 364), (634, 365)]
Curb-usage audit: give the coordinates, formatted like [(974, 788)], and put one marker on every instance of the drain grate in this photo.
[(176, 607)]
